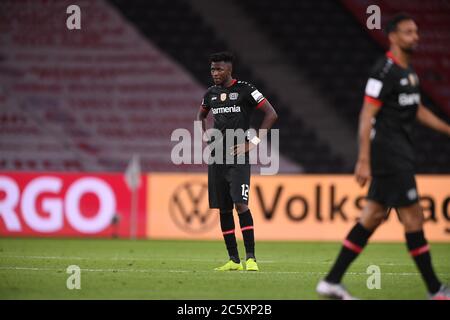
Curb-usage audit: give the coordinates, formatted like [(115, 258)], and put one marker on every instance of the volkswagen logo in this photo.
[(189, 208)]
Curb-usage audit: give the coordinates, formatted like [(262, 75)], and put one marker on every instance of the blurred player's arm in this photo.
[(427, 118), (362, 169), (270, 117)]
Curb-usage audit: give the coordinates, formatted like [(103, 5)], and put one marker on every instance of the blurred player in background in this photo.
[(232, 103), (391, 105)]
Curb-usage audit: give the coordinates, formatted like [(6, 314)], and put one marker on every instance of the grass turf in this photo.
[(145, 269)]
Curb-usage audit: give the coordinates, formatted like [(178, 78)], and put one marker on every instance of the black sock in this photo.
[(227, 226), (246, 222), (352, 247), (420, 252)]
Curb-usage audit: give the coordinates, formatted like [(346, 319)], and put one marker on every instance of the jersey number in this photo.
[(245, 191)]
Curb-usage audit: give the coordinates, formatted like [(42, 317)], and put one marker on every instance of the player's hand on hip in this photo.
[(242, 148), (362, 172)]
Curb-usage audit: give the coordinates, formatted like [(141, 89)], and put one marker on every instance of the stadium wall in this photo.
[(175, 206)]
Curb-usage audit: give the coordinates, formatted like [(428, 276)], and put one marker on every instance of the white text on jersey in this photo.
[(226, 109), (405, 99)]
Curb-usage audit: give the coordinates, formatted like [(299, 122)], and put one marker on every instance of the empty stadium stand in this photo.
[(182, 33), (87, 101), (325, 40)]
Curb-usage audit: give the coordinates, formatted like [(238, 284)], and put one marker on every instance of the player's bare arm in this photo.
[(270, 117), (362, 169), (427, 118), (202, 114)]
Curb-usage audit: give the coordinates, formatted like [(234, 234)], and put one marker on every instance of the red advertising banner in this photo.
[(73, 205)]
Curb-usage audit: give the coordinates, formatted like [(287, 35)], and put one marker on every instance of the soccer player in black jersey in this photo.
[(232, 103), (391, 106)]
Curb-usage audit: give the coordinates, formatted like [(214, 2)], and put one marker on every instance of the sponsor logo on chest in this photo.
[(231, 109), (234, 95), (405, 99)]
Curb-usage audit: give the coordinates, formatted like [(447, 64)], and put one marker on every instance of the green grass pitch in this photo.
[(146, 269)]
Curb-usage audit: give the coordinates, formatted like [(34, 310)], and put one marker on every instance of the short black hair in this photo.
[(221, 56), (391, 25)]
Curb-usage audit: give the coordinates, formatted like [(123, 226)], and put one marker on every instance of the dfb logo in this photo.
[(45, 194), (190, 210)]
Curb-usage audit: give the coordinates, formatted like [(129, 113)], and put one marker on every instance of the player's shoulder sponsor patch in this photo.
[(257, 96), (373, 87)]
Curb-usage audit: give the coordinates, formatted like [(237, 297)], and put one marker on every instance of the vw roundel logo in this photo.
[(189, 208)]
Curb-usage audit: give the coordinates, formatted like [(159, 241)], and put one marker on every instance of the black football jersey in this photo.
[(396, 91), (232, 106)]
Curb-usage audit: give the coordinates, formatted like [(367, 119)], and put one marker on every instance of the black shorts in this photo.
[(398, 190), (228, 184)]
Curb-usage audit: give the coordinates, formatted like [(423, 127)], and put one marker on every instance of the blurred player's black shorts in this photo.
[(398, 190), (228, 184)]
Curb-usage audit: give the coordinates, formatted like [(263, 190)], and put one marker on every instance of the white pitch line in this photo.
[(117, 258), (408, 274), (183, 259)]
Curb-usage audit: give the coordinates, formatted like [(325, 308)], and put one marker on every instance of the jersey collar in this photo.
[(233, 81), (391, 56)]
